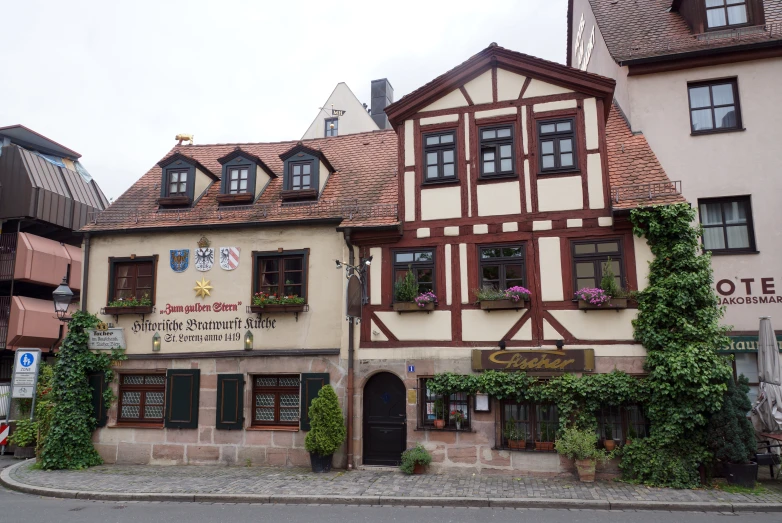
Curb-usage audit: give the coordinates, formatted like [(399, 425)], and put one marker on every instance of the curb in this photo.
[(549, 503)]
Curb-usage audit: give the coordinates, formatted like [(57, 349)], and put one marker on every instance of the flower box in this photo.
[(277, 308), (138, 309), (411, 306), (544, 445), (517, 444), (493, 305), (614, 303)]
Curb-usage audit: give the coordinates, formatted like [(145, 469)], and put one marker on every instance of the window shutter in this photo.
[(311, 383), (182, 387), (97, 382), (230, 402)]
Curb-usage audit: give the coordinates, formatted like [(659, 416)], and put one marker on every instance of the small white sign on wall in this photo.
[(107, 339)]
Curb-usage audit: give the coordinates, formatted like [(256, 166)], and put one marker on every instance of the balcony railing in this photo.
[(345, 209), (646, 191), (7, 255), (5, 313)]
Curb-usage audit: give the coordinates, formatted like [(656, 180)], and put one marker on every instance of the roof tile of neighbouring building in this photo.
[(632, 166), (635, 29), (361, 192)]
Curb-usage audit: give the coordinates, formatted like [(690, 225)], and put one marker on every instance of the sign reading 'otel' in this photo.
[(567, 360)]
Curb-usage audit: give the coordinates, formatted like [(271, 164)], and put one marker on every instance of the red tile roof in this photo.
[(634, 172), (362, 192), (635, 29)]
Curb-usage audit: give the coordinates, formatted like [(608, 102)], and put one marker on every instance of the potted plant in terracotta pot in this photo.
[(516, 437), (439, 414), (609, 442), (327, 429), (547, 435), (415, 460), (581, 446), (731, 437)]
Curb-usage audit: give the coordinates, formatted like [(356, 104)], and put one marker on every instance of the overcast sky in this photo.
[(116, 81)]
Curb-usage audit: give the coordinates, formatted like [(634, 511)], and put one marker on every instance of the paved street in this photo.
[(364, 483), (16, 507)]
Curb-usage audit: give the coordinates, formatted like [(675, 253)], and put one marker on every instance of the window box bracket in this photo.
[(493, 305), (270, 309), (411, 306), (615, 304)]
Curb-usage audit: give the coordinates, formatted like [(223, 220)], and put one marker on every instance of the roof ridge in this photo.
[(293, 141)]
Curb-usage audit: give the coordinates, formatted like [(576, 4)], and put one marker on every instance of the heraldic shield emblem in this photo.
[(204, 255), (229, 257), (180, 258)]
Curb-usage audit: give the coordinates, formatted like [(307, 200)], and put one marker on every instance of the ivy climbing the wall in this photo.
[(68, 444), (679, 325)]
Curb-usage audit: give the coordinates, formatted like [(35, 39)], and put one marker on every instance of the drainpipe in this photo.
[(85, 273), (351, 329)]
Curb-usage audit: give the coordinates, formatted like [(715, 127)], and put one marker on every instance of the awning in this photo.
[(33, 324), (45, 261)]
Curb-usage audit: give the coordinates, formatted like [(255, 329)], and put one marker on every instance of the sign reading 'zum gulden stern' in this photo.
[(567, 360)]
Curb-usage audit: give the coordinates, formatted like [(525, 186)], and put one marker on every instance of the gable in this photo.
[(509, 85), (450, 101), (539, 88), (480, 88)]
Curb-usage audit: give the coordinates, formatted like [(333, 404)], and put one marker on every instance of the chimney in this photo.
[(382, 97)]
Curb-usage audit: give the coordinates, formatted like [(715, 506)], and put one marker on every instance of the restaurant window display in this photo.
[(438, 411), (617, 425), (528, 426), (276, 400), (141, 398)]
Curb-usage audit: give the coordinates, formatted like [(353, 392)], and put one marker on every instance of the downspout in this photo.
[(351, 329), (85, 278)]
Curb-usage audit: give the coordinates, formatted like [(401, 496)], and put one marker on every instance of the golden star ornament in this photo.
[(202, 288)]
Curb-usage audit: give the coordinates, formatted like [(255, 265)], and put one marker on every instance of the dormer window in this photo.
[(177, 182), (244, 177), (726, 13), (301, 175), (306, 173), (237, 179)]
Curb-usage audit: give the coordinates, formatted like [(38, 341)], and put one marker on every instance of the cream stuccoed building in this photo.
[(700, 80)]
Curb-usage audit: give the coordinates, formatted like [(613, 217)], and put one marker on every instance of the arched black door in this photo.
[(385, 420)]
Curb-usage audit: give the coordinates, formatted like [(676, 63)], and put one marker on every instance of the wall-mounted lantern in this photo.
[(156, 342), (248, 340), (62, 297)]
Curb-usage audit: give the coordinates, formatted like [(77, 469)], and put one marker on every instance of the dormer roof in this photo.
[(301, 148), (168, 160), (248, 155)]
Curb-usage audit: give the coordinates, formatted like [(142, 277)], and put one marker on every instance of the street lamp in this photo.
[(62, 296)]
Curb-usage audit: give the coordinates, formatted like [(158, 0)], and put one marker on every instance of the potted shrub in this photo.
[(439, 413), (581, 446), (512, 298), (265, 302), (609, 442), (407, 297), (608, 296), (516, 437), (547, 435), (631, 434), (731, 437), (23, 438), (130, 305), (327, 429), (415, 460)]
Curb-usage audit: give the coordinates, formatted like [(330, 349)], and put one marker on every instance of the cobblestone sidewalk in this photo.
[(276, 481)]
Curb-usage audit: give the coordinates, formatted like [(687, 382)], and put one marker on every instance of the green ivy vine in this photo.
[(68, 444), (679, 325)]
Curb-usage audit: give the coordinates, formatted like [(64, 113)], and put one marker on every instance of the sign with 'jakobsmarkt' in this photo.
[(538, 361)]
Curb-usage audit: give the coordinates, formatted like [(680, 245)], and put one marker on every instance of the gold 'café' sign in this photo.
[(549, 361)]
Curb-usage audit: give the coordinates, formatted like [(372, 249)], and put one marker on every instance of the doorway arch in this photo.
[(385, 420)]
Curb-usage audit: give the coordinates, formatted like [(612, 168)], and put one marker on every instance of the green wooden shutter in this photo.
[(182, 398), (311, 383), (230, 402), (97, 382)]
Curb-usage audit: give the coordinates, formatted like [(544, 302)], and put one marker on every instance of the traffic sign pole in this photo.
[(26, 366)]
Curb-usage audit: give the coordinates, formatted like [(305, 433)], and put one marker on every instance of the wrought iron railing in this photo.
[(5, 313), (652, 46), (7, 255), (646, 191), (345, 209)]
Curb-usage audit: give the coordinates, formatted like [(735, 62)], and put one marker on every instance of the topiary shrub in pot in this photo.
[(327, 429), (415, 460), (581, 446), (731, 437)]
